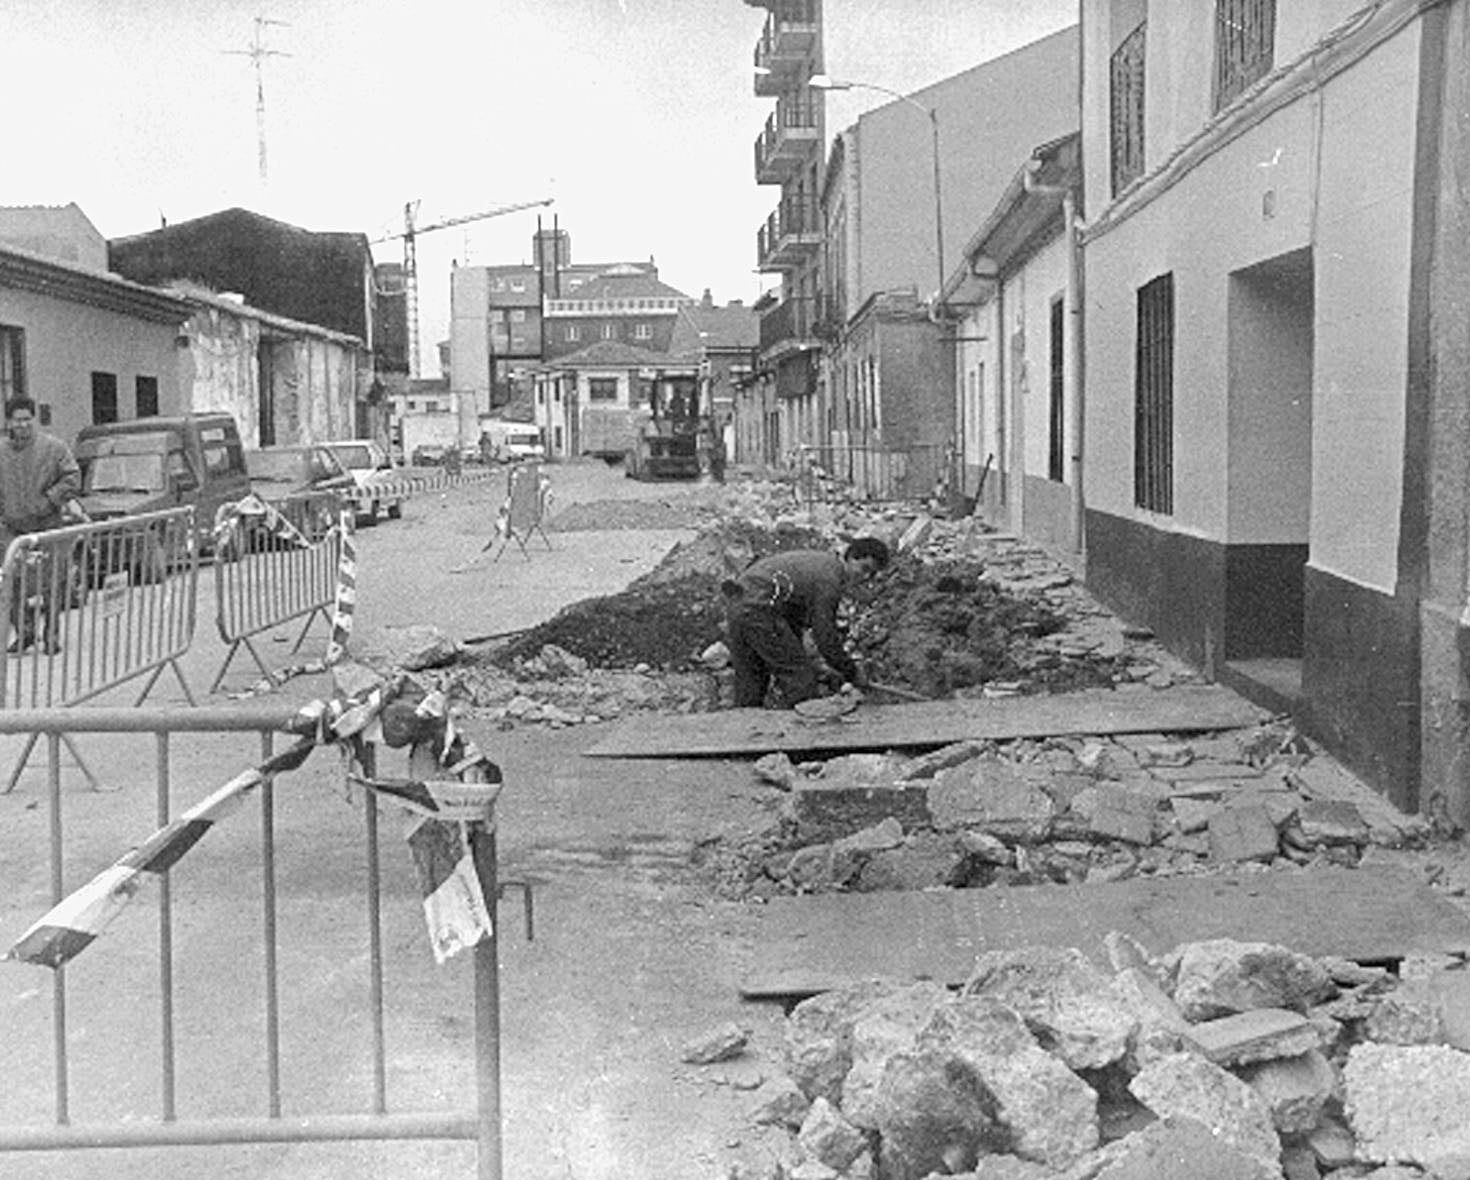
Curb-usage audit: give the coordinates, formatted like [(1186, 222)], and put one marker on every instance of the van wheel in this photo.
[(395, 511), (370, 517)]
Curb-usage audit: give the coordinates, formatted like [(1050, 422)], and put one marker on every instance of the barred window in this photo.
[(1125, 100), (1245, 45), (1056, 449), (12, 362), (1153, 404)]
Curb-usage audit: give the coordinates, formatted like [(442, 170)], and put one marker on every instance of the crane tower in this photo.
[(410, 234)]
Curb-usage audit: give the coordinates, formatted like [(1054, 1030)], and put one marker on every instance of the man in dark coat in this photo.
[(780, 597)]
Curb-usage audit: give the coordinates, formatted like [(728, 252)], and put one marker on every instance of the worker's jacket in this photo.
[(804, 587)]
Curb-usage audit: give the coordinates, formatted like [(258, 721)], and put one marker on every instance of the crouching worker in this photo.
[(780, 597)]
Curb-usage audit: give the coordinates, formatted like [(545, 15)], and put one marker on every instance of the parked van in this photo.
[(509, 442), (149, 464)]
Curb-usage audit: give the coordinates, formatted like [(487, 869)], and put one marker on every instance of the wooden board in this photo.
[(812, 944), (1190, 707)]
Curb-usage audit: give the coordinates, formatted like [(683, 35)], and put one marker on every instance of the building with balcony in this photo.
[(1276, 401), (788, 153)]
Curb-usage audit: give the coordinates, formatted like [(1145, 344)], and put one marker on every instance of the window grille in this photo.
[(1126, 94), (1057, 438), (1245, 46), (1153, 388)]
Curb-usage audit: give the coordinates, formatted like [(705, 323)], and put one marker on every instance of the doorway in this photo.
[(1270, 322)]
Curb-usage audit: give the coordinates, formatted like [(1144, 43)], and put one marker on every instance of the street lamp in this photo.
[(823, 82)]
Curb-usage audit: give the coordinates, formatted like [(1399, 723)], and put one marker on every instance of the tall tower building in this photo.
[(789, 154)]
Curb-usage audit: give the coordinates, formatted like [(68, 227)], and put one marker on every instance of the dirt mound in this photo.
[(666, 617), (941, 627)]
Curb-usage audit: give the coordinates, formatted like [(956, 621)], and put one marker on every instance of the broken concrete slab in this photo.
[(1221, 976), (814, 944), (1407, 1105), (1191, 1087), (1262, 1034), (1181, 708), (1242, 832)]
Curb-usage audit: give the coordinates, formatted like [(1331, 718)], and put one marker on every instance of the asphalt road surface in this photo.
[(632, 956)]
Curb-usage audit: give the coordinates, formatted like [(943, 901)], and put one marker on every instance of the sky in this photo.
[(636, 117)]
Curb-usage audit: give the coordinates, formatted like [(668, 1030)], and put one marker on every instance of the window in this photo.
[(574, 333), (1057, 435), (1245, 45), (518, 344), (1153, 397), (104, 398), (1125, 101), (145, 397), (602, 389), (12, 362), (642, 332), (518, 284), (518, 315), (556, 438), (607, 331)]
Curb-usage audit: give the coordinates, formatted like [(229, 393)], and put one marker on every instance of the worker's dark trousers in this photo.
[(763, 647)]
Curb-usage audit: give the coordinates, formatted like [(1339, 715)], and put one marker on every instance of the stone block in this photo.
[(925, 860), (1175, 1147), (1063, 999), (1262, 1034), (1193, 815), (990, 793), (1048, 1113), (1294, 1088), (926, 766), (1406, 1104), (1220, 976), (828, 1138), (1187, 1086), (1242, 833), (1122, 814), (831, 810), (885, 1028), (1408, 1015), (927, 1123), (1331, 821)]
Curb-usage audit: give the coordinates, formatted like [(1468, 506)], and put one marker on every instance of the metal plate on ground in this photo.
[(806, 945), (1187, 708)]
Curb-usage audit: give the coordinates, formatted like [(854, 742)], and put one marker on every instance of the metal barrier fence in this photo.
[(279, 575), (479, 1123), (88, 608), (827, 473)]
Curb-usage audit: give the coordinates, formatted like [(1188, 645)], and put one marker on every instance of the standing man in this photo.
[(780, 597), (38, 478)]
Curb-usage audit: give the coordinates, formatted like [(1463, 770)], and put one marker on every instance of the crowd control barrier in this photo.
[(90, 607), (527, 495), (287, 564), (454, 822)]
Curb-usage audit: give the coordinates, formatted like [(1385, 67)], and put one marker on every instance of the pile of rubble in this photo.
[(1056, 810), (1223, 1059), (963, 611)]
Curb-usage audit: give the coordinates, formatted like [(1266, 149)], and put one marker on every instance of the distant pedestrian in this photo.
[(776, 600), (39, 477)]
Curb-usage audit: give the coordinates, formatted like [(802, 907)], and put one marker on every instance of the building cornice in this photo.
[(23, 271)]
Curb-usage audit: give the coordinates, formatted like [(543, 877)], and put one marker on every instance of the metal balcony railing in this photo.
[(794, 229)]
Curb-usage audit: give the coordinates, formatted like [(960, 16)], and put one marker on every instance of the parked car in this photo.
[(371, 470), (304, 483), (150, 464)]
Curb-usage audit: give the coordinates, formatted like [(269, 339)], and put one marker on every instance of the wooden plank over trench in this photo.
[(806, 945), (1188, 708)]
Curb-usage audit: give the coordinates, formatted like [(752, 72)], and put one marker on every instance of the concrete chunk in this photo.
[(1406, 1104), (1261, 1034), (1243, 833), (1191, 1087), (991, 794), (1176, 1147), (1047, 1111), (831, 809), (1065, 1001), (1295, 1088), (1221, 976), (828, 1138), (1123, 814), (883, 1029)]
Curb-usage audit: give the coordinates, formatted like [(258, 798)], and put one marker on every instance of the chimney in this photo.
[(706, 300)]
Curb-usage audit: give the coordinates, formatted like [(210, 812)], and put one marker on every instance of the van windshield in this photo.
[(124, 473)]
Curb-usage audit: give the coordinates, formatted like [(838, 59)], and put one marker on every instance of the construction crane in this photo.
[(410, 234)]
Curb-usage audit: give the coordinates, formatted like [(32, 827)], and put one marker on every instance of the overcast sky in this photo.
[(637, 116)]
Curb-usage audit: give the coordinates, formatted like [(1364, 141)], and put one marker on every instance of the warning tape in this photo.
[(454, 905)]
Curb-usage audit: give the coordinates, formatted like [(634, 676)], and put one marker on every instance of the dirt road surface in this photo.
[(631, 955)]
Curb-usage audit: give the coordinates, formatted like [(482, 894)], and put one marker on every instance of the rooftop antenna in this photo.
[(257, 53)]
